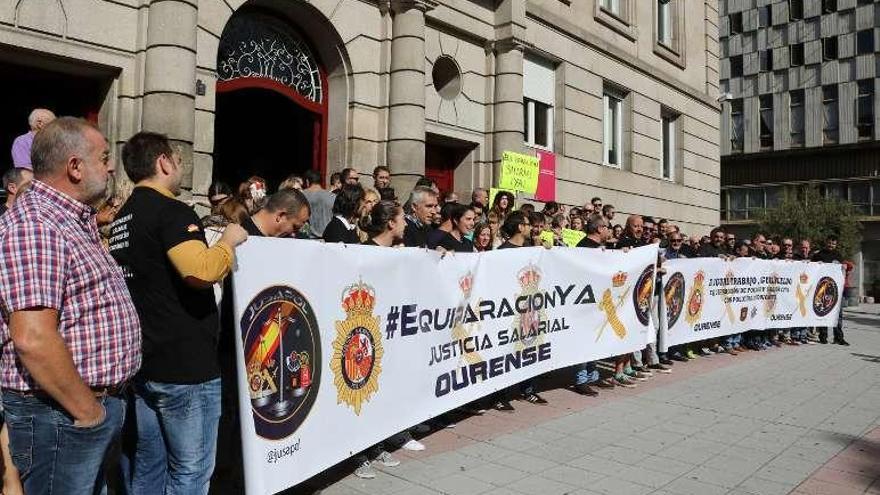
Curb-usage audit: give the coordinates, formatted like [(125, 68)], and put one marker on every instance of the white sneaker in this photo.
[(413, 445), (387, 459), (364, 470)]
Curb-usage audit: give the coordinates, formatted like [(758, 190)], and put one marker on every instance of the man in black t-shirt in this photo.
[(830, 254), (170, 272)]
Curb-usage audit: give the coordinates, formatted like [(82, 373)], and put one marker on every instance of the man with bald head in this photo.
[(21, 147), (632, 234), (70, 337)]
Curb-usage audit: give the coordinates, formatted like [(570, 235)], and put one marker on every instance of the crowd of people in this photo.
[(111, 304)]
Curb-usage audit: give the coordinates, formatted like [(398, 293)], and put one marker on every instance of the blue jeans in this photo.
[(176, 437), (53, 456), (586, 373)]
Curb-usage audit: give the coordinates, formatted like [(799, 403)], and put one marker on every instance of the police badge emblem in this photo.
[(696, 298), (357, 349)]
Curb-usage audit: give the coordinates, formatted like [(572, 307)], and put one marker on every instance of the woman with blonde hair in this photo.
[(371, 198)]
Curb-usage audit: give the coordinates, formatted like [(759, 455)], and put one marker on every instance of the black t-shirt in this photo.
[(508, 245), (588, 243), (336, 231), (450, 243), (629, 242), (370, 242), (179, 323), (251, 228)]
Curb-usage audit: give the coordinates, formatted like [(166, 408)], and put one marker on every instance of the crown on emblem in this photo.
[(699, 277), (358, 298), (618, 279), (466, 283), (530, 275), (804, 278)]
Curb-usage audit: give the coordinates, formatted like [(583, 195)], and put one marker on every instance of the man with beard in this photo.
[(71, 335), (830, 254), (171, 271)]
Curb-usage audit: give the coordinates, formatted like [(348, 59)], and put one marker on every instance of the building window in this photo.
[(766, 60), (765, 17), (829, 6), (736, 209), (865, 109), (665, 22), (795, 9), (539, 90), (736, 125), (736, 66), (860, 197), (797, 55), (829, 115), (736, 23), (756, 203), (796, 117), (668, 146), (613, 7), (612, 136), (766, 116), (829, 48), (774, 196), (865, 42)]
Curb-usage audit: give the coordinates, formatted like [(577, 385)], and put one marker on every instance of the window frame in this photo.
[(792, 11), (736, 61), (866, 98), (765, 60), (859, 47), (796, 48), (769, 10), (828, 44), (530, 106), (797, 105), (612, 106), (769, 136), (827, 101), (669, 155), (737, 139), (739, 17)]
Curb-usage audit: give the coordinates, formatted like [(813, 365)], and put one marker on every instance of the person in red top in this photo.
[(69, 333)]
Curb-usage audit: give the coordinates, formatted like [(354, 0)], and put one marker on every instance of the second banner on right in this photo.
[(711, 297)]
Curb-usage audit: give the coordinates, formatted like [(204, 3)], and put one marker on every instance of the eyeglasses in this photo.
[(788, 244), (527, 224), (675, 240)]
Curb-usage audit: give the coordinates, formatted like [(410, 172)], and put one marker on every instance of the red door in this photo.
[(440, 163)]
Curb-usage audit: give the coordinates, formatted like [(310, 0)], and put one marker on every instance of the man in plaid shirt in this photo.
[(69, 332)]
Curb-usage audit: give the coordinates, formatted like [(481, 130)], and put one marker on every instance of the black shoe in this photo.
[(606, 383), (678, 357), (841, 342), (666, 362), (503, 405), (534, 398), (823, 341), (584, 389)]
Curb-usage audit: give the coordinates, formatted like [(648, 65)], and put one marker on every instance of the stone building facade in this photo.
[(623, 92), (800, 79)]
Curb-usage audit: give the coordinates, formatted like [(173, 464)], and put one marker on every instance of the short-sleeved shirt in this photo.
[(180, 322), (21, 150), (51, 257), (321, 206), (588, 243), (251, 228)]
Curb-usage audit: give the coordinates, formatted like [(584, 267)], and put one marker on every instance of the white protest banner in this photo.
[(340, 347), (711, 297)]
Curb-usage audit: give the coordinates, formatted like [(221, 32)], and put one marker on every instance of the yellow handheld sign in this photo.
[(571, 238), (519, 172)]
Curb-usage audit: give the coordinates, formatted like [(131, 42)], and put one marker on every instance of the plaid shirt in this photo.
[(51, 256)]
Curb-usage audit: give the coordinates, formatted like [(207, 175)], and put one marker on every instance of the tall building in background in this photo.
[(622, 92), (799, 80)]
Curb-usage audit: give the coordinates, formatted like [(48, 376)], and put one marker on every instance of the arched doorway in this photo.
[(271, 110)]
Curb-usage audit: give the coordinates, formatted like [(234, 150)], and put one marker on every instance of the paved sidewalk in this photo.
[(760, 423)]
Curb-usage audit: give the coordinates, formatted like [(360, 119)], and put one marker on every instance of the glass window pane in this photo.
[(835, 191), (796, 9), (764, 16), (865, 42), (736, 128), (542, 120), (737, 198), (527, 126), (859, 193), (774, 196)]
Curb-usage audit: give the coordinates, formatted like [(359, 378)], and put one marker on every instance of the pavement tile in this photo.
[(526, 463), (496, 474), (621, 454), (532, 485), (688, 486), (819, 487), (760, 486), (727, 478), (573, 476), (459, 484), (665, 465), (615, 486)]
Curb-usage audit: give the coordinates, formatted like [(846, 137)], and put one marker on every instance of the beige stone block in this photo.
[(7, 11), (447, 112), (206, 49), (583, 149), (128, 121), (213, 16), (366, 89), (645, 165), (353, 18), (585, 103), (648, 125), (701, 164), (404, 123), (698, 180), (645, 106), (471, 115), (583, 80), (207, 102), (473, 86), (169, 68), (203, 165), (47, 16), (447, 16), (172, 23), (700, 147), (204, 132), (364, 123), (365, 55), (700, 129), (100, 22), (582, 125), (646, 145), (170, 114)]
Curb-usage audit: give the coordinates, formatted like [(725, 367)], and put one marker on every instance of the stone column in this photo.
[(169, 76), (406, 103), (508, 110)]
